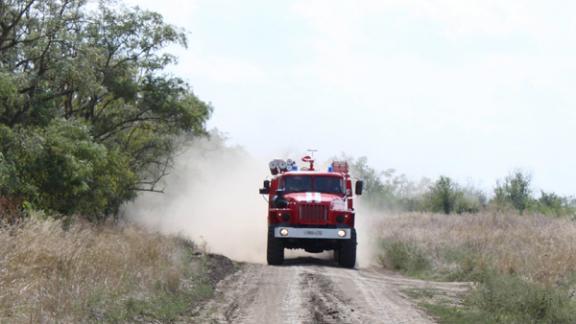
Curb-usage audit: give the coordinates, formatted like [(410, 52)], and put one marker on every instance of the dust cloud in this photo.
[(367, 224), (211, 197)]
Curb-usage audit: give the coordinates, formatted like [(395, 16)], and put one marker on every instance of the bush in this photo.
[(555, 205), (387, 189), (390, 191), (446, 196), (514, 192), (443, 195), (511, 299), (404, 257)]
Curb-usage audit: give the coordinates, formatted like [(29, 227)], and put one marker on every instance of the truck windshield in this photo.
[(296, 183)]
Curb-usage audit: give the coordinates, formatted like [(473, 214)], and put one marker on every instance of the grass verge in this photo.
[(524, 266), (100, 274)]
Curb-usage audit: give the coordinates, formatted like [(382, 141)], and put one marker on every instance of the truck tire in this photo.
[(347, 253), (275, 249)]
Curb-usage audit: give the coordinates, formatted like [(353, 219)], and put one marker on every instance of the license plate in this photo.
[(313, 233)]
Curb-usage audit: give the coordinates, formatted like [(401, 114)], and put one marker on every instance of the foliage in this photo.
[(404, 256), (60, 168), (472, 200), (514, 191), (446, 196), (555, 205), (500, 298), (87, 116), (443, 195), (387, 190), (511, 299), (374, 187)]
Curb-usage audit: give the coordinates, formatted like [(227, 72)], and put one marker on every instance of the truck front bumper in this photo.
[(312, 233)]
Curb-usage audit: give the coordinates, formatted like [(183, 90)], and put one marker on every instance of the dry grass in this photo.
[(524, 265), (84, 274), (537, 248)]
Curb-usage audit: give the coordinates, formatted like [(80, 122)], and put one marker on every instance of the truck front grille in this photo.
[(313, 214)]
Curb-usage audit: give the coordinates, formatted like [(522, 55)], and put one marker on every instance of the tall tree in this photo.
[(101, 72), (443, 195)]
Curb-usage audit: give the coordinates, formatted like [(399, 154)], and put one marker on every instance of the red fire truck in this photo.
[(311, 210)]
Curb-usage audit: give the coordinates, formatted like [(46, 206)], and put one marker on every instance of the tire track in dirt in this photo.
[(309, 290), (324, 303)]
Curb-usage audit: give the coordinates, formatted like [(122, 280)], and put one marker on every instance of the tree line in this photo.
[(387, 190), (89, 118), (88, 115)]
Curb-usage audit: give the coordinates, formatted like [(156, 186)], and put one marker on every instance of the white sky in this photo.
[(470, 89)]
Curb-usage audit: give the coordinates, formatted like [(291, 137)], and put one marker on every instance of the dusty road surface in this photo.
[(309, 290)]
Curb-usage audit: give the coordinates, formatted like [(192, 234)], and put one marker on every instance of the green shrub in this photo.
[(511, 299), (469, 265), (60, 168), (514, 191), (555, 205), (404, 257), (388, 190), (501, 299), (446, 196), (443, 195)]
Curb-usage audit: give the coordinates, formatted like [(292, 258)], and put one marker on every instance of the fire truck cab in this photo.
[(311, 210)]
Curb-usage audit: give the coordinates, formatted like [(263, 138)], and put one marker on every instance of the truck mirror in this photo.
[(266, 188), (359, 187)]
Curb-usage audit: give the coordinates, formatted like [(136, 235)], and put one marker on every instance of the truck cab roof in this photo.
[(311, 173)]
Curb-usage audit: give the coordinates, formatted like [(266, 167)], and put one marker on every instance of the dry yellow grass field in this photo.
[(538, 248), (524, 266), (99, 274)]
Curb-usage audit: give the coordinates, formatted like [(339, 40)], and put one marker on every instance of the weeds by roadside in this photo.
[(524, 266), (97, 274)]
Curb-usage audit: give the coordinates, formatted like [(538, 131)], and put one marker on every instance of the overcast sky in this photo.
[(464, 88)]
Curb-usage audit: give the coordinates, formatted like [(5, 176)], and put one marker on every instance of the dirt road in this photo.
[(310, 290)]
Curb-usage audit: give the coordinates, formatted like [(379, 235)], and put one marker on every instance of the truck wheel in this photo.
[(347, 253), (275, 249)]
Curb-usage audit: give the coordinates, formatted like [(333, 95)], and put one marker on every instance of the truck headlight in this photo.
[(283, 216), (284, 232), (341, 233)]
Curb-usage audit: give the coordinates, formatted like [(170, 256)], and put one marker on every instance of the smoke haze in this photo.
[(211, 197)]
